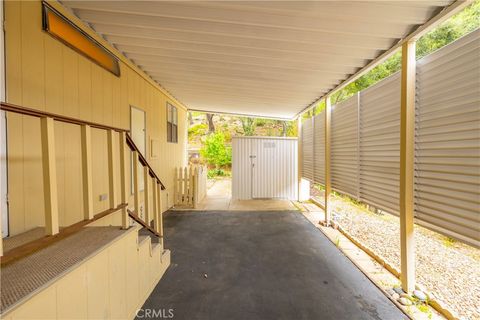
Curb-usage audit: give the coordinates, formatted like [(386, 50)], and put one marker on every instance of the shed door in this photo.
[(266, 163)]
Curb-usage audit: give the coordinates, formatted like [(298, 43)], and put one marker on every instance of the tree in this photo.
[(248, 125), (283, 125), (190, 118), (215, 152), (211, 125)]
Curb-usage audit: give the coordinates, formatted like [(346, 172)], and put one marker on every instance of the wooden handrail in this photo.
[(38, 244), (143, 161), (135, 217), (41, 114)]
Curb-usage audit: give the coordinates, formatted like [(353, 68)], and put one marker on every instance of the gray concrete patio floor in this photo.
[(260, 265)]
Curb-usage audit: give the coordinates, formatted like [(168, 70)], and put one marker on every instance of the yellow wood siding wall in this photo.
[(44, 74)]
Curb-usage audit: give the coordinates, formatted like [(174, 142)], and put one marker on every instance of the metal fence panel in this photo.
[(380, 144), (319, 148), (344, 147), (307, 149), (447, 159)]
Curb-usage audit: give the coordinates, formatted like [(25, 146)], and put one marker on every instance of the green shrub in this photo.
[(215, 152), (217, 173)]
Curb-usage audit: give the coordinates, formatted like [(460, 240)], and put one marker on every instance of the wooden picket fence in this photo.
[(190, 185)]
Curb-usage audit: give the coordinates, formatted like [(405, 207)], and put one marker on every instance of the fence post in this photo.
[(49, 176), (175, 186), (112, 168), (123, 179), (407, 154), (328, 116), (196, 184), (146, 194), (86, 137), (358, 146), (136, 197), (185, 186), (191, 190)]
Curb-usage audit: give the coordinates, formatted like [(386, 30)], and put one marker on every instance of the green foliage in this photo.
[(449, 242), (459, 25), (215, 152), (262, 122), (292, 128), (197, 130), (217, 173), (248, 125)]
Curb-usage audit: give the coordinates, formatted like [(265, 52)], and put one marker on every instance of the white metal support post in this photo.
[(407, 149)]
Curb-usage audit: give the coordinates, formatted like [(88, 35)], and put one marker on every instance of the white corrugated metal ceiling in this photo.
[(267, 58)]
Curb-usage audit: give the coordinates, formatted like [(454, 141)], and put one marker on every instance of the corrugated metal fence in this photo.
[(365, 142)]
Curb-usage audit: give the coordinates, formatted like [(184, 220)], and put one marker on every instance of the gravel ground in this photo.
[(447, 269)]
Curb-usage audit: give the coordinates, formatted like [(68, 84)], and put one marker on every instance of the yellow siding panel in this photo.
[(53, 76), (99, 169), (60, 161), (72, 295), (33, 174), (70, 82), (97, 93), (73, 175), (98, 291), (41, 306), (33, 55), (15, 173), (84, 89), (13, 47), (117, 280), (107, 98)]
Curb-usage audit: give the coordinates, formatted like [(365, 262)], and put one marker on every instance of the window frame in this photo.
[(172, 123)]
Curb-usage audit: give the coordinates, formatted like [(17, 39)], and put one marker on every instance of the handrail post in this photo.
[(155, 203), (407, 155), (49, 176), (136, 196), (123, 179), (112, 169), (328, 117), (159, 223), (146, 194), (86, 137)]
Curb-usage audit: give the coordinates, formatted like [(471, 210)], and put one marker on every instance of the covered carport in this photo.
[(276, 60)]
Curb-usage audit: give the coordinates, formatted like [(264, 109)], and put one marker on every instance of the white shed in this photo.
[(264, 168)]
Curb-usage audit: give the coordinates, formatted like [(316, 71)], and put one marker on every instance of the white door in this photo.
[(265, 156), (274, 169), (138, 133)]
